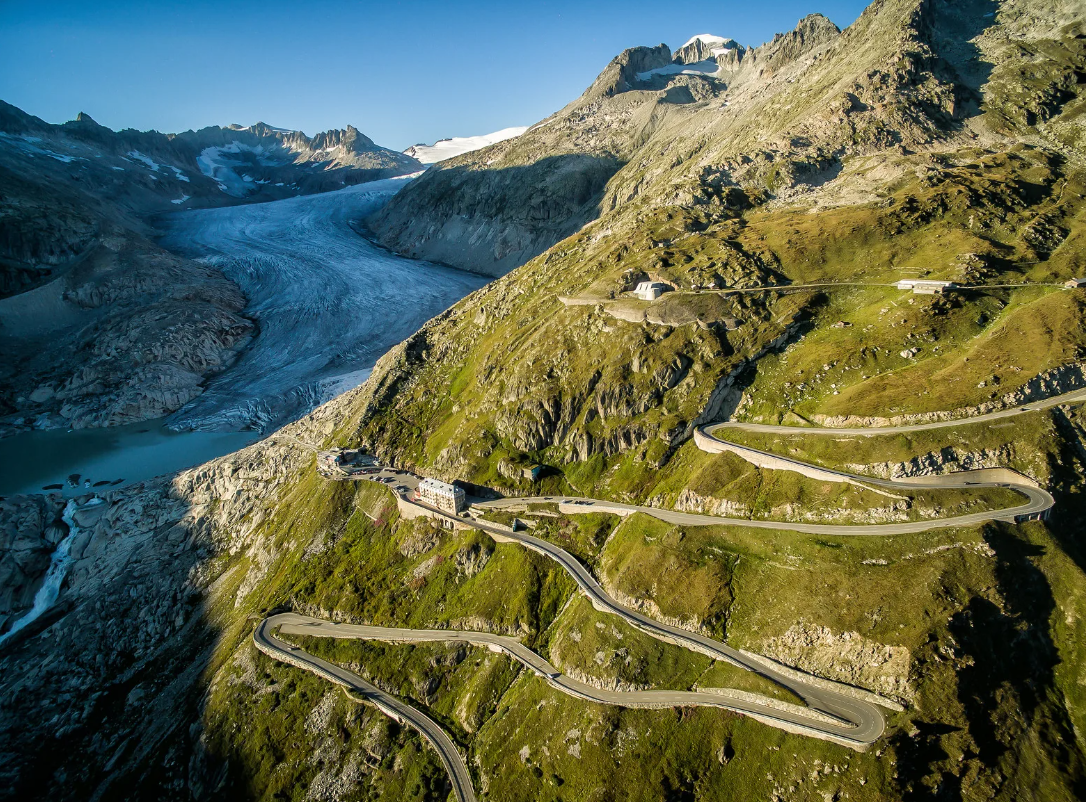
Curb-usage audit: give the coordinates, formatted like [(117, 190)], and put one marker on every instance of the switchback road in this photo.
[(1073, 397), (835, 712), (269, 644)]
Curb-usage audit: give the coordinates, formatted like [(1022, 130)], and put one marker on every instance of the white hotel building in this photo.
[(441, 495)]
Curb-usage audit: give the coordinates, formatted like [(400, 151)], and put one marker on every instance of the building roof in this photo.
[(438, 486), (924, 282)]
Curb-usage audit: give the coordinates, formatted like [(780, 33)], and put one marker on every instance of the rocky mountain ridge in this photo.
[(898, 78), (278, 161)]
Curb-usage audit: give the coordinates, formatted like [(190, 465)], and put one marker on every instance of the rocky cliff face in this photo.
[(676, 128), (494, 220)]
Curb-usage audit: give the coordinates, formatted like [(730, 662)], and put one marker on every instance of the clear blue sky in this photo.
[(401, 72)]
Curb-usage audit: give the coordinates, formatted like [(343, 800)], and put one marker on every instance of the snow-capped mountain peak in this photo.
[(708, 39), (707, 47)]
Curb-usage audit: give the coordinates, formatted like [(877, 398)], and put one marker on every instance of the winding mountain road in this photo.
[(1073, 397), (835, 715), (266, 641), (835, 712), (1038, 502)]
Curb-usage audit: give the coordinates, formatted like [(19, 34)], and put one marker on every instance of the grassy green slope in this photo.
[(974, 630)]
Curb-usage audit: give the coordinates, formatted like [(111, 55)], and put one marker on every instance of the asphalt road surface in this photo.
[(272, 646), (1072, 397)]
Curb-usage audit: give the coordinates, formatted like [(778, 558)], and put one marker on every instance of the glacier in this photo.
[(328, 303)]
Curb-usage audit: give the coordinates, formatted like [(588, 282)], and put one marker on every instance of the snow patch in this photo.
[(182, 199), (709, 39), (707, 67), (220, 164), (180, 175), (457, 145), (151, 163), (28, 146)]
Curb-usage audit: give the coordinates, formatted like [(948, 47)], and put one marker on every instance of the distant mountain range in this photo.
[(99, 325), (195, 168)]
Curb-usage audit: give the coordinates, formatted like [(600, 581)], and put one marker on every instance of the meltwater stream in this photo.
[(54, 577)]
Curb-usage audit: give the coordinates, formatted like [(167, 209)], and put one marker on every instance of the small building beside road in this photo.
[(346, 463), (650, 290), (442, 495), (923, 286), (1075, 283)]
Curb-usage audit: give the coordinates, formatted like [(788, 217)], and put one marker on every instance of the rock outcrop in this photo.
[(846, 657), (129, 334)]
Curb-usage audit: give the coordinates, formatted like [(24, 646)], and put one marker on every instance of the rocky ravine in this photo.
[(151, 582)]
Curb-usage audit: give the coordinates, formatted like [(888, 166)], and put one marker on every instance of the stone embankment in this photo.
[(1058, 380)]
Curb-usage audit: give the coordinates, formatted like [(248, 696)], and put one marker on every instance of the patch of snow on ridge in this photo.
[(182, 199), (707, 67), (457, 145), (180, 175), (151, 163), (28, 145)]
